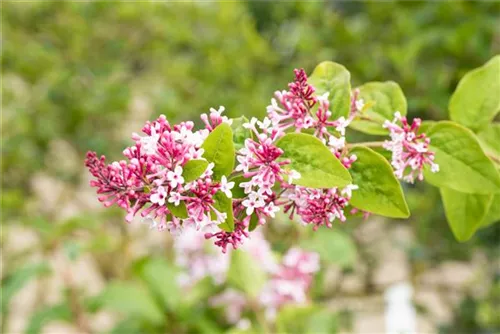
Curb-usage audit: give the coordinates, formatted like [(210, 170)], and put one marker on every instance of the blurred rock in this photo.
[(452, 274), (434, 304)]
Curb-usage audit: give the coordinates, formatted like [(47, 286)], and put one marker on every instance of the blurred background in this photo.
[(80, 76)]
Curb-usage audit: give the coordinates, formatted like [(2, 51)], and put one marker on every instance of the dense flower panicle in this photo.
[(153, 177), (152, 181), (296, 104), (234, 238), (410, 150), (318, 206)]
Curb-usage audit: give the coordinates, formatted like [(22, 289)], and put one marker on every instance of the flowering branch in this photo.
[(297, 158)]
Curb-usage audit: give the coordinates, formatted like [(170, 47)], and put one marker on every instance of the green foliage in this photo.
[(237, 191), (333, 246), (476, 100), (18, 279), (333, 78), (317, 166), (178, 210), (219, 149), (463, 166), (245, 273), (240, 134), (225, 205), (379, 191), (306, 319), (161, 277), (382, 100), (493, 215), (489, 138), (465, 212), (59, 312), (193, 169), (132, 300)]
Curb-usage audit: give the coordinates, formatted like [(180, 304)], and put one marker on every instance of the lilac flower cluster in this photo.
[(151, 182), (410, 150)]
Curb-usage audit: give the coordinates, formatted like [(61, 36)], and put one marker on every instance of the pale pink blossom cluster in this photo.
[(319, 207), (289, 281), (299, 108), (151, 181), (258, 162), (410, 150)]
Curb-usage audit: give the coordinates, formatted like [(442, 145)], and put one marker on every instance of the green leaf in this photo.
[(426, 125), (333, 246), (476, 100), (193, 169), (240, 134), (379, 191), (60, 312), (219, 149), (254, 222), (18, 279), (336, 80), (237, 191), (224, 204), (161, 278), (493, 215), (464, 212), (463, 166), (303, 319), (179, 211), (245, 273), (489, 138), (382, 99), (131, 300), (318, 167)]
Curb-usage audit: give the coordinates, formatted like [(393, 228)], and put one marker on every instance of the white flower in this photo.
[(209, 171), (323, 97), (347, 191), (265, 124), (342, 124), (359, 104), (336, 143), (175, 198), (293, 175), (175, 177), (271, 209), (150, 143), (250, 125), (253, 201), (159, 196), (226, 187), (434, 168)]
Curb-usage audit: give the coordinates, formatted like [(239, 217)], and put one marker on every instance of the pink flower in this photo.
[(226, 187), (234, 302), (291, 281), (410, 150), (159, 196), (318, 206), (175, 177)]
